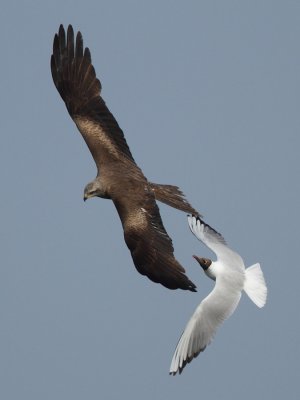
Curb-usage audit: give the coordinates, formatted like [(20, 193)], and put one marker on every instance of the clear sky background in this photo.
[(207, 93)]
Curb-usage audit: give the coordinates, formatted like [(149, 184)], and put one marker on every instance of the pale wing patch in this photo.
[(89, 128), (137, 219)]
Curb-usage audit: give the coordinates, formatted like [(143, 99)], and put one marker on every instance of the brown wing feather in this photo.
[(150, 246), (75, 79)]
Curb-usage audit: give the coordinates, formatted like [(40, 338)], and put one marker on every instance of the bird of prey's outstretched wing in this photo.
[(151, 247), (133, 195), (75, 79)]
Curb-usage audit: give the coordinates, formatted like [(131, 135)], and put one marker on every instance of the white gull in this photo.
[(231, 278)]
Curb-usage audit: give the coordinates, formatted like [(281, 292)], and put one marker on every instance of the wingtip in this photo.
[(199, 222), (197, 217), (70, 29), (179, 366), (192, 287)]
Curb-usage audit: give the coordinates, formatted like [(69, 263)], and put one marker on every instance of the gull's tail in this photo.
[(255, 285)]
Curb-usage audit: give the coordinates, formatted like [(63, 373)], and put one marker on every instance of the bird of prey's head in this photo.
[(95, 189), (92, 189)]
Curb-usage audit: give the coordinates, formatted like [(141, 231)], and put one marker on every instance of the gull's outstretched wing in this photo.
[(208, 316), (214, 241)]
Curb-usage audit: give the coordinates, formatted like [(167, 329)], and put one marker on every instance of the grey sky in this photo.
[(207, 93)]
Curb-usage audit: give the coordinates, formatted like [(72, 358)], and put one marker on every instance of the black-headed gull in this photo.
[(231, 278)]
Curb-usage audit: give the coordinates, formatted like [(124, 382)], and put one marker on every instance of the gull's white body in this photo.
[(231, 278)]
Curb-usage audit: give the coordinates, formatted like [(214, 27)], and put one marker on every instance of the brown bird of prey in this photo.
[(118, 178)]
